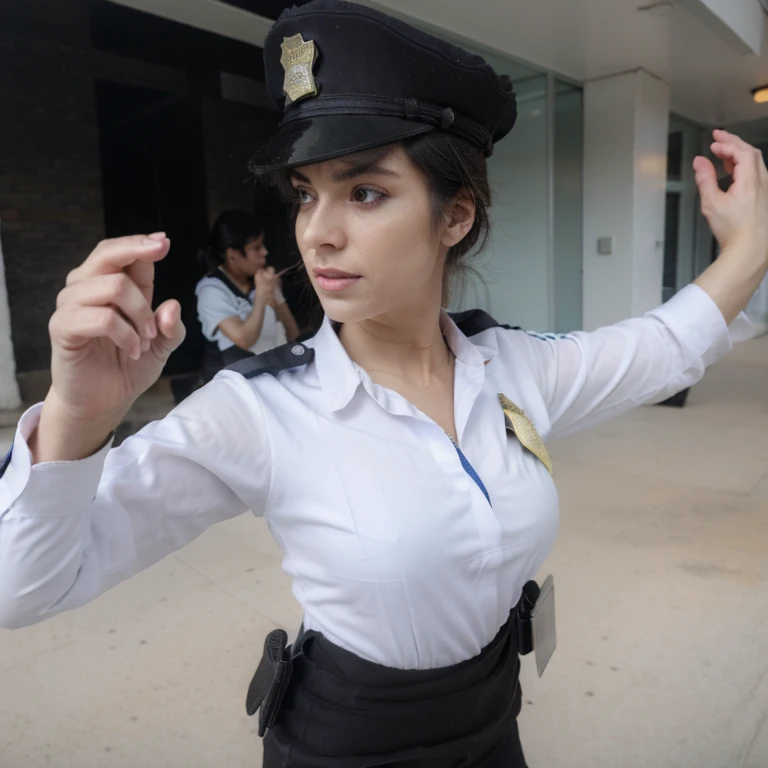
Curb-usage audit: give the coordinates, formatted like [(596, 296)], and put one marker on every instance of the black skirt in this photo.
[(341, 711)]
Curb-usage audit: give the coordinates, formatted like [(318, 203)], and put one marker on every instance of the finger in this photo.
[(741, 153), (738, 163), (171, 331), (143, 275), (73, 326), (117, 290), (728, 154), (731, 139), (706, 179), (114, 255)]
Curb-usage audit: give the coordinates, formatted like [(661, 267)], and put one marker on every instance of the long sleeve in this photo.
[(71, 530), (585, 378)]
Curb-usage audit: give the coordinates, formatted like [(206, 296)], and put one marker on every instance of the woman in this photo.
[(239, 302), (425, 500)]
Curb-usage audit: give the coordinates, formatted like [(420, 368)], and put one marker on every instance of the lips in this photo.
[(334, 280)]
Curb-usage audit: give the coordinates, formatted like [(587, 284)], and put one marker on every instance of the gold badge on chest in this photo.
[(523, 428), (298, 59)]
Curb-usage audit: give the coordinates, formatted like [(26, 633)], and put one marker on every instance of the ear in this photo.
[(232, 255), (459, 220)]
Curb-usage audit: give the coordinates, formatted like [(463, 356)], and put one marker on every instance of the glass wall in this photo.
[(681, 226), (513, 280), (567, 206), (530, 273)]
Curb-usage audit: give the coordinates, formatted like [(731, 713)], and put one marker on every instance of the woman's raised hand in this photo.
[(108, 346), (738, 217)]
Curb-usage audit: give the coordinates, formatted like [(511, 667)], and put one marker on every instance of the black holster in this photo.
[(525, 618), (270, 681)]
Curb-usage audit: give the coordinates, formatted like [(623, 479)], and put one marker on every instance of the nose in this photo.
[(321, 228)]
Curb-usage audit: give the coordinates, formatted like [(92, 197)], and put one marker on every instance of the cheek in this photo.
[(393, 245), (402, 245)]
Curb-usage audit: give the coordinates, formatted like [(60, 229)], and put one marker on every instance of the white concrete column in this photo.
[(9, 389), (626, 122)]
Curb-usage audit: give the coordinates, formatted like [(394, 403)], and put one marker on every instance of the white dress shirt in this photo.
[(394, 550), (216, 302)]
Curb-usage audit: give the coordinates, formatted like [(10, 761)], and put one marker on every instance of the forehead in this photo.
[(390, 158)]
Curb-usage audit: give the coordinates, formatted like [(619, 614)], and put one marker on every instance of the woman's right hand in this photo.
[(108, 346)]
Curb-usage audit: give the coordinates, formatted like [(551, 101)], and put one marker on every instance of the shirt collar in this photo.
[(340, 377), (468, 352)]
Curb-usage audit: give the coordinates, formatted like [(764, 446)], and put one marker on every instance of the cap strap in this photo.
[(408, 109)]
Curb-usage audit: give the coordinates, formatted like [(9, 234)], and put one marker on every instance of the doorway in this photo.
[(153, 179), (687, 239)]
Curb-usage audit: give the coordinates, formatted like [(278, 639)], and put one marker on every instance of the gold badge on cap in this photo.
[(519, 424), (298, 59)]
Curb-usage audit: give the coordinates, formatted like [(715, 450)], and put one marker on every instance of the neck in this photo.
[(407, 345), (241, 281)]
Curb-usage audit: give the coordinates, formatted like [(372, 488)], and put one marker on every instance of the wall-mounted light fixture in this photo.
[(760, 95)]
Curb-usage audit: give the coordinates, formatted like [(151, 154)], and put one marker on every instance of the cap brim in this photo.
[(316, 139)]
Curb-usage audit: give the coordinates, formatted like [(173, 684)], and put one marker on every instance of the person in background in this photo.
[(240, 303)]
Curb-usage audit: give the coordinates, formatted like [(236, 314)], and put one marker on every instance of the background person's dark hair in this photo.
[(232, 229), (453, 168)]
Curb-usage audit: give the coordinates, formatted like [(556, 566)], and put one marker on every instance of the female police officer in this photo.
[(425, 499)]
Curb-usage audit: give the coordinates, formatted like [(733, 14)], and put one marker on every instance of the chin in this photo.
[(347, 309)]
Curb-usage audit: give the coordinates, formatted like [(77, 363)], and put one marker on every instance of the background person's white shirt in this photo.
[(217, 302), (395, 552)]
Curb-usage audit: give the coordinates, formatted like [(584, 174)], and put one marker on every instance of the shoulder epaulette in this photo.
[(474, 321), (282, 358)]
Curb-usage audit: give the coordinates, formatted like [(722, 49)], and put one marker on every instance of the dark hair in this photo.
[(453, 167), (232, 229)]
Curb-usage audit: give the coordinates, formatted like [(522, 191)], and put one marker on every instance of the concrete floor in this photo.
[(662, 591)]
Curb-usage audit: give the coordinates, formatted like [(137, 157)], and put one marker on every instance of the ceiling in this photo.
[(710, 77), (581, 40)]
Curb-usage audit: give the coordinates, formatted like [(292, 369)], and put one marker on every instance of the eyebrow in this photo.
[(361, 169)]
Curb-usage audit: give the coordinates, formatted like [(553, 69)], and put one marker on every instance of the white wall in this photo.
[(741, 22), (625, 147), (650, 189)]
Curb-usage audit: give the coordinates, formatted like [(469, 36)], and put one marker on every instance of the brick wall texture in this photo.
[(50, 181), (51, 198)]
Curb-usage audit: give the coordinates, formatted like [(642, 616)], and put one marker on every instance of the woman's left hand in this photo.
[(738, 217)]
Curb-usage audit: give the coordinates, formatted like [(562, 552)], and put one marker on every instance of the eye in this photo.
[(367, 195), (303, 196)]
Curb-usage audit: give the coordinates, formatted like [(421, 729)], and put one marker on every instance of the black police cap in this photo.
[(350, 78)]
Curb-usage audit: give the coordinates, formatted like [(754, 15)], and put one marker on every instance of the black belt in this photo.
[(326, 707)]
